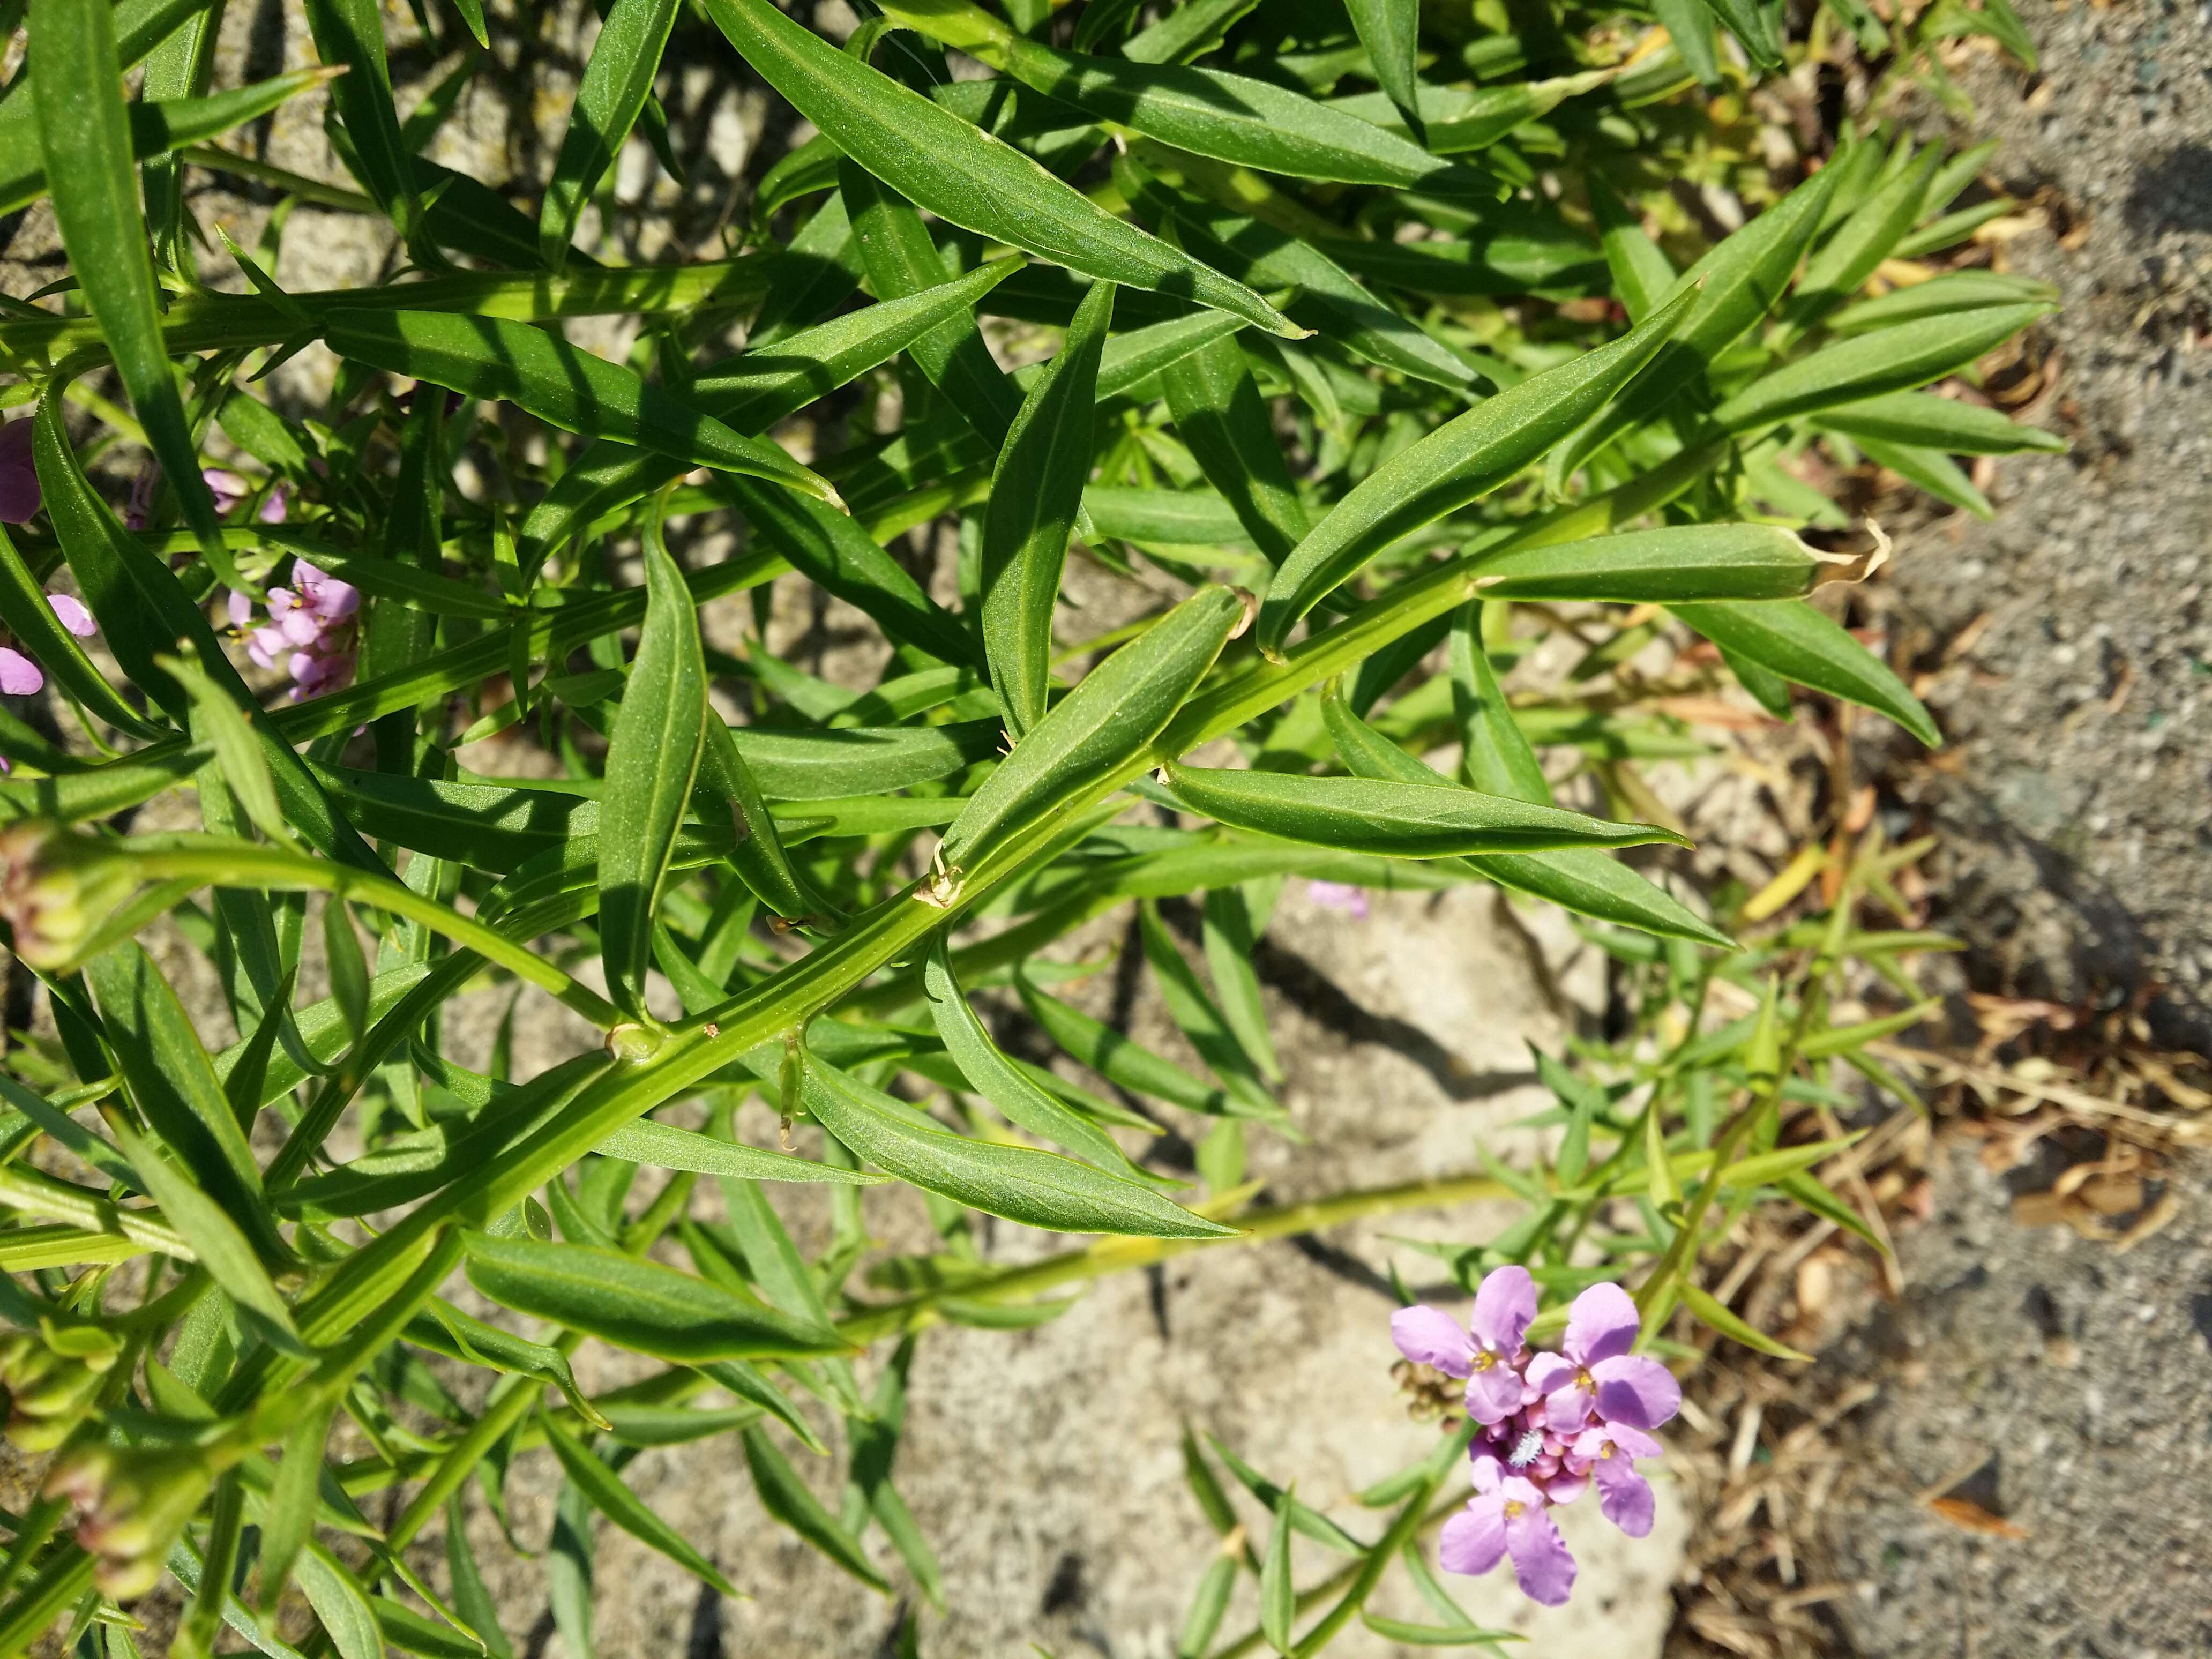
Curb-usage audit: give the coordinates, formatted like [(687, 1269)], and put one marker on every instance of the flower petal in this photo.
[(1547, 1373), (1565, 1410), (1493, 1393), (1602, 1323), (1624, 1497), (1473, 1541), (1540, 1561), (19, 675), (1635, 1390), (1504, 1308), (1430, 1336), (72, 614)]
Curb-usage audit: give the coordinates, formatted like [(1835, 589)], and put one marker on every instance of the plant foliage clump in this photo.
[(1366, 340)]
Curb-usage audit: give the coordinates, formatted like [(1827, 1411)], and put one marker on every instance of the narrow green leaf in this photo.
[(627, 1510), (1465, 459), (1865, 366), (1036, 490), (651, 766), (1438, 1636), (1683, 562), (288, 1514), (1278, 1596), (157, 126), (349, 969), (472, 1597), (1730, 1324), (217, 723), (1747, 20), (502, 361), (666, 1147), (1118, 1059), (617, 81), (351, 33), (1795, 641), (340, 1603), (1230, 938), (1218, 411), (996, 1078), (1116, 710), (249, 1071), (963, 175), (444, 1328), (787, 1498), (1208, 1604), (84, 137), (174, 1089), (1940, 296), (1948, 424), (902, 260), (1195, 1015), (1394, 820), (638, 1305), (222, 1247), (1391, 30), (1039, 1189), (1862, 241), (1641, 274)]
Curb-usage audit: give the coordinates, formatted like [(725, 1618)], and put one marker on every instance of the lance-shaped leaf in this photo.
[(84, 137), (1326, 298), (1460, 118), (218, 1241), (445, 1329), (1868, 365), (1684, 562), (962, 174), (999, 1081), (1936, 422), (788, 1499), (1463, 460), (668, 1147), (1231, 118), (1391, 30), (1108, 719), (1748, 21), (503, 361), (1036, 1188), (627, 1510), (650, 769), (757, 847), (1795, 640), (617, 80), (351, 33), (1218, 411), (1582, 880), (174, 1088), (1737, 283), (1036, 490), (750, 392), (156, 128), (639, 1305), (1862, 242), (1117, 1057), (1960, 290), (901, 259), (1395, 820), (1199, 1019), (1229, 933), (858, 760), (1278, 1596)]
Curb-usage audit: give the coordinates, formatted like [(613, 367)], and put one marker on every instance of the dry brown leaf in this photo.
[(1970, 1516)]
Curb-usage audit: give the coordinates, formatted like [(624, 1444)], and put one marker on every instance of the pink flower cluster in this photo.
[(1551, 1425), (311, 630)]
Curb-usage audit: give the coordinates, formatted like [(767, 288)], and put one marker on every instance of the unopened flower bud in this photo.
[(58, 888), (133, 1505)]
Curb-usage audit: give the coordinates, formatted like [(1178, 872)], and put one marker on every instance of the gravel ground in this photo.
[(2072, 796)]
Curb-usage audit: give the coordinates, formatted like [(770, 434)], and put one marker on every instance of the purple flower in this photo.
[(1607, 1452), (1553, 1424), (311, 630), (1339, 896), (1596, 1373), (19, 479), (228, 490), (19, 675), (1506, 1516), (1489, 1358)]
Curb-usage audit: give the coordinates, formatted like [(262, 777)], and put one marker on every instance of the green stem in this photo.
[(223, 863), (1112, 1255)]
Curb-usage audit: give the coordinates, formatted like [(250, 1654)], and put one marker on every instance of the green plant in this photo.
[(1351, 353)]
